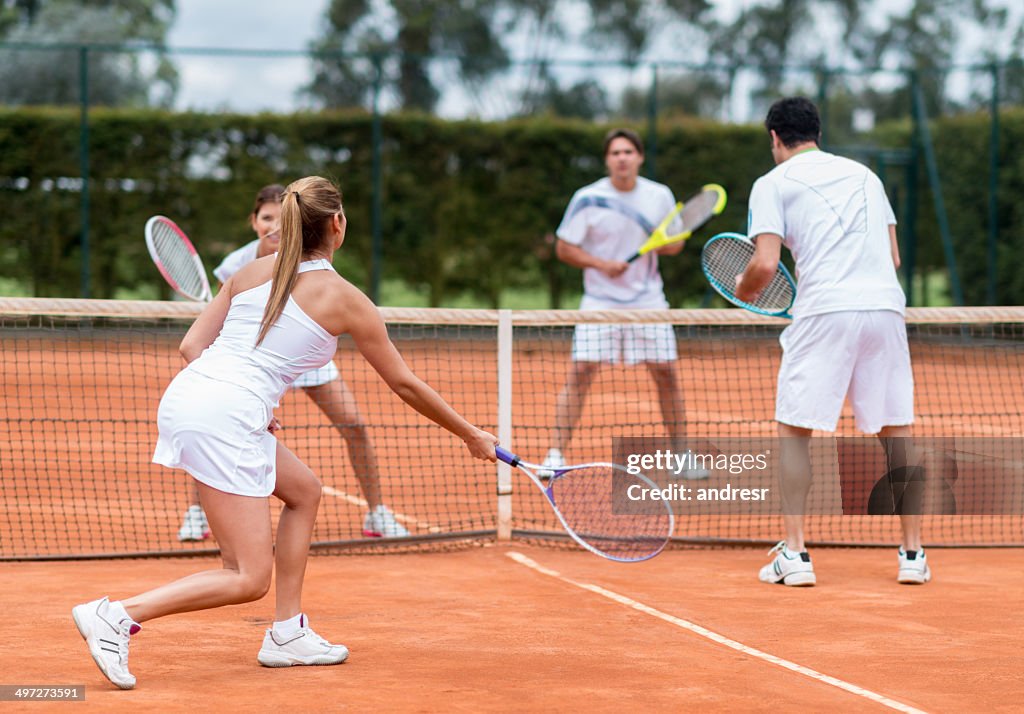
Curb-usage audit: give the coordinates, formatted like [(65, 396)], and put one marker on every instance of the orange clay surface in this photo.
[(474, 630)]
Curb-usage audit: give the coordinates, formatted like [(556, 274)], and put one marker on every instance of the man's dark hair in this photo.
[(795, 120), (628, 134)]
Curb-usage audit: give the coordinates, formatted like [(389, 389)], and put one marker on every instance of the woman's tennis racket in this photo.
[(177, 259), (693, 213), (725, 256), (592, 501)]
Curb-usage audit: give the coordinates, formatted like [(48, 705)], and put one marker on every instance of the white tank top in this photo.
[(293, 345)]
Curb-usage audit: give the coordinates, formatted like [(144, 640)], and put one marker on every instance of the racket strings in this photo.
[(595, 504), (178, 260), (698, 210), (724, 259)]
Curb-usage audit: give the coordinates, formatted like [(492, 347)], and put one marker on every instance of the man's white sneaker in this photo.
[(551, 463), (194, 526), (303, 647), (107, 637), (695, 472), (914, 568), (381, 523), (788, 567)]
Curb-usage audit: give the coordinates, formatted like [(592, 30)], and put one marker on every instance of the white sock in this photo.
[(290, 627), (554, 455), (117, 611)]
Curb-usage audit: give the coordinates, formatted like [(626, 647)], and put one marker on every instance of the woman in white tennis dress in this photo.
[(271, 322), (323, 385)]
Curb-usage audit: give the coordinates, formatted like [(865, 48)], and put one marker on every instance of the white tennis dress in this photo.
[(238, 259), (214, 415)]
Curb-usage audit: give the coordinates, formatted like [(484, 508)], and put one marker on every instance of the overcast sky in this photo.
[(251, 83), (267, 82)]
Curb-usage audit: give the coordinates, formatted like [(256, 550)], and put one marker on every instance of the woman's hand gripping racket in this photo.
[(726, 256), (693, 214), (593, 503), (177, 259)]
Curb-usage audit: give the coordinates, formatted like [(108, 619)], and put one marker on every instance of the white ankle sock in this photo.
[(290, 626), (117, 611)]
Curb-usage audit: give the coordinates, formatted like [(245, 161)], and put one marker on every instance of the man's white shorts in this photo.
[(624, 344), (316, 377), (862, 354)]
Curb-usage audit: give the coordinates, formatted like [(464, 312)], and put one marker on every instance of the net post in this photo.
[(504, 422)]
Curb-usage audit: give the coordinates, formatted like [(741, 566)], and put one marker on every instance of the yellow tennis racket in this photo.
[(693, 214)]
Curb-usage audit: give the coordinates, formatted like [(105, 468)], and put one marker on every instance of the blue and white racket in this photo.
[(603, 507), (725, 256)]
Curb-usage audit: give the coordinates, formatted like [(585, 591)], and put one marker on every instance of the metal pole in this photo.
[(85, 288), (823, 78), (650, 160), (931, 164), (376, 231), (993, 189), (909, 231)]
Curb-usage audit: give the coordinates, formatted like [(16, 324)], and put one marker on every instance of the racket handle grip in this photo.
[(507, 456), (633, 257)]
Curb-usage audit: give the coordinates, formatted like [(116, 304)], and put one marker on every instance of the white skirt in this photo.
[(217, 432), (316, 377)]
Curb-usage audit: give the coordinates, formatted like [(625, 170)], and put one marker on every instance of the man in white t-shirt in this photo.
[(605, 223), (848, 335)]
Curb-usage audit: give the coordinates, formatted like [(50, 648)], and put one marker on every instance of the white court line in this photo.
[(361, 502), (720, 639)]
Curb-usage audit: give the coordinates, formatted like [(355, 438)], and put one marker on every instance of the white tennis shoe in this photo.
[(695, 472), (107, 638), (914, 568), (381, 523), (194, 526), (551, 463), (303, 647), (788, 568)]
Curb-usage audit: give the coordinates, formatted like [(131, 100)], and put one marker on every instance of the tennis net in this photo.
[(82, 380)]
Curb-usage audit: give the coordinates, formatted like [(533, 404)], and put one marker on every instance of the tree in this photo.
[(583, 100), (407, 38), (414, 38), (35, 74), (926, 36)]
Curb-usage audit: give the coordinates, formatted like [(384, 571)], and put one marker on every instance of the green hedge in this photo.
[(962, 149), (468, 207)]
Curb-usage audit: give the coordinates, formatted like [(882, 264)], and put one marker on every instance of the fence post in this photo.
[(931, 164), (823, 77), (651, 158), (85, 287), (909, 218), (376, 255), (993, 188)]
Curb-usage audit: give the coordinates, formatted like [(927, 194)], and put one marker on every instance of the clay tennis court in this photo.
[(471, 627), (475, 630)]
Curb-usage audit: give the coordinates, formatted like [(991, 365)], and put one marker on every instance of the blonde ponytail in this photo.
[(306, 211)]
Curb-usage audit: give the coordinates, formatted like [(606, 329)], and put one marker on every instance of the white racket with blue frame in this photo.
[(727, 255), (604, 507)]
